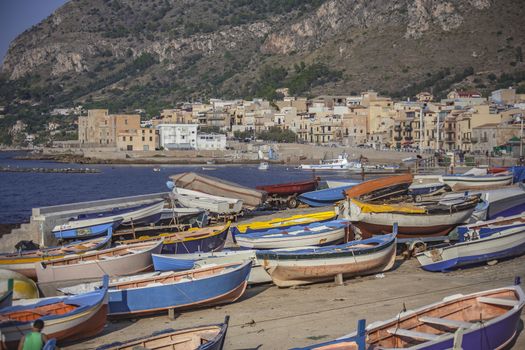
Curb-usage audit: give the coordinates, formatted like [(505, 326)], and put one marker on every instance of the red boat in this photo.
[(292, 188)]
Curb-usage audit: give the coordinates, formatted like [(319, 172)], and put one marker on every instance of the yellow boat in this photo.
[(23, 288), (302, 219)]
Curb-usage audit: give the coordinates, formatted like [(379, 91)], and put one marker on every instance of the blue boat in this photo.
[(88, 231), (168, 262), (356, 341), (203, 287), (324, 197), (417, 189), (92, 224), (210, 337)]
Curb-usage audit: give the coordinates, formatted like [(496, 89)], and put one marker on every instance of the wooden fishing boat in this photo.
[(301, 219), (507, 201), (93, 224), (291, 267), (199, 338), (208, 239), (482, 321), (214, 204), (181, 262), (24, 262), (340, 183), (123, 260), (6, 298), (23, 287), (66, 318), (290, 188), (381, 188), (196, 288), (478, 243), (316, 234), (211, 185), (329, 196), (420, 219), (467, 181)]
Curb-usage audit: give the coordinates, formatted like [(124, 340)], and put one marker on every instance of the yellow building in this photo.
[(142, 139)]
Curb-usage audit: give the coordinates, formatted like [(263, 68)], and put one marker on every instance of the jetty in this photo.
[(9, 169)]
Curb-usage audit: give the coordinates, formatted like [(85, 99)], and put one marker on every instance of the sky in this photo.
[(19, 15)]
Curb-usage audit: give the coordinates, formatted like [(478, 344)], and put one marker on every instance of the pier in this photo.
[(9, 169)]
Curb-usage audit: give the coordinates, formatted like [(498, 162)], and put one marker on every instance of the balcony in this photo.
[(397, 138), (409, 138)]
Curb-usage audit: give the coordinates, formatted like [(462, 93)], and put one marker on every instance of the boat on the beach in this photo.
[(207, 239), (427, 185), (470, 181), (24, 261), (152, 293), (484, 320), (263, 166), (210, 337), (98, 223), (184, 216), (66, 318), (181, 262), (297, 266), (316, 234), (301, 219), (381, 188), (211, 203), (123, 260), (480, 242), (328, 196), (340, 183), (250, 197), (291, 188), (436, 217), (507, 201), (23, 287), (6, 298)]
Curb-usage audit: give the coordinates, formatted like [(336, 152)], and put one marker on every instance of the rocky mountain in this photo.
[(135, 54)]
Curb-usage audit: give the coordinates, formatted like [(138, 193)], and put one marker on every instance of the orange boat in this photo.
[(381, 188)]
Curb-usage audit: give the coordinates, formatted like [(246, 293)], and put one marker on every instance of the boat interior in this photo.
[(29, 315), (57, 251), (172, 277), (106, 254), (441, 320), (180, 340)]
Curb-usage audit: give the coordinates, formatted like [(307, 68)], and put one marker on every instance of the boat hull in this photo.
[(214, 204), (458, 182), (87, 232), (325, 197), (211, 243), (283, 222), (306, 270), (214, 290), (289, 188)]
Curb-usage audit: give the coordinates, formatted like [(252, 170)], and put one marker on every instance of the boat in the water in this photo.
[(181, 262), (325, 197), (123, 260), (297, 266), (207, 239), (250, 197), (152, 293), (291, 188), (95, 224), (381, 188), (480, 242), (469, 181), (211, 203), (316, 234), (23, 287), (340, 163), (24, 261), (436, 217), (301, 219), (66, 318), (210, 337), (263, 166), (484, 320)]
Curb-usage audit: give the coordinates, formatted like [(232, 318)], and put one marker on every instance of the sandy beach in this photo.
[(267, 317)]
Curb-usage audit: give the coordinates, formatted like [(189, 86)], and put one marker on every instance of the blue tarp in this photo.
[(519, 173)]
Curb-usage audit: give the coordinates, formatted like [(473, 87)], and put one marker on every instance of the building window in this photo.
[(143, 138), (131, 138), (151, 138), (123, 138), (126, 121), (143, 131)]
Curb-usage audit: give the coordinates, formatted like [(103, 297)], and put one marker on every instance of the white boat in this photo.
[(264, 166), (468, 181), (479, 242), (340, 183), (174, 262), (341, 163), (214, 204)]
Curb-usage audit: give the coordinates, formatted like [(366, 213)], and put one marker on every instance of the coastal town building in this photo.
[(177, 136)]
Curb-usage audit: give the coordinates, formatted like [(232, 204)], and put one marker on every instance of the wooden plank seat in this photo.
[(497, 301), (445, 322), (412, 334)]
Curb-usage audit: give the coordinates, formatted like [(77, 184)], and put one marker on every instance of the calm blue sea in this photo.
[(20, 192)]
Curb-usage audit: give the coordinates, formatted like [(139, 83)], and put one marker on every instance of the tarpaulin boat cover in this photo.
[(388, 208), (192, 181)]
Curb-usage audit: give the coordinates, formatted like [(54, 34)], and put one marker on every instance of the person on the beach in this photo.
[(34, 340)]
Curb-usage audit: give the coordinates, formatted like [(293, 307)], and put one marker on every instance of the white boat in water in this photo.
[(214, 204), (341, 163), (264, 166)]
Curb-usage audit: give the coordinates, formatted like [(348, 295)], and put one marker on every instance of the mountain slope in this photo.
[(132, 54)]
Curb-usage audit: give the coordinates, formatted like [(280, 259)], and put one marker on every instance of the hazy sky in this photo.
[(18, 15)]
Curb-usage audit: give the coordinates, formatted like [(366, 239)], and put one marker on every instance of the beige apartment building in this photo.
[(142, 139), (99, 128)]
